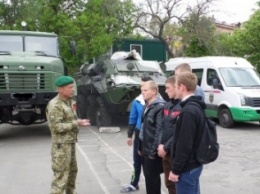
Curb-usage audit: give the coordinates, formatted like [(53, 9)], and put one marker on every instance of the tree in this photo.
[(154, 15), (198, 35), (245, 41), (93, 24), (102, 22)]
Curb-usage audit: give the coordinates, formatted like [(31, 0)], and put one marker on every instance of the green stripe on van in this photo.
[(244, 114)]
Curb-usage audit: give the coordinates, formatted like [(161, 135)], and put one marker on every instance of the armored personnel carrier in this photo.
[(107, 88)]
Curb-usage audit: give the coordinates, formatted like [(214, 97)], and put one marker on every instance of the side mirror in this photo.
[(72, 44), (216, 84)]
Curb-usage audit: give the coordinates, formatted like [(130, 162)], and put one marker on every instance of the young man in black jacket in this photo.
[(152, 121), (135, 118), (185, 168), (170, 112)]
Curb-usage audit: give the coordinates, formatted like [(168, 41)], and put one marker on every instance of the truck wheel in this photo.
[(225, 118), (91, 109), (102, 116)]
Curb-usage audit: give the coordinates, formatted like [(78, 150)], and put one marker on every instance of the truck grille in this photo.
[(24, 81)]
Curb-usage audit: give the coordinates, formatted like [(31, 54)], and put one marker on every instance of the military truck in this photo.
[(107, 88), (29, 64)]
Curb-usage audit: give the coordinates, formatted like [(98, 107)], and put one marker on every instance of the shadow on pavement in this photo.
[(8, 131)]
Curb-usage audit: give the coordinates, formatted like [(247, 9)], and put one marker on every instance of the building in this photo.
[(149, 49), (223, 27)]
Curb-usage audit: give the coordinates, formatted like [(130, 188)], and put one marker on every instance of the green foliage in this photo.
[(245, 42), (195, 49), (198, 35), (94, 24)]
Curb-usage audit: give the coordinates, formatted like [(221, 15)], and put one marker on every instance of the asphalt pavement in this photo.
[(105, 161)]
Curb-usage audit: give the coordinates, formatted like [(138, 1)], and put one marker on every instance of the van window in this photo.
[(211, 74), (198, 73)]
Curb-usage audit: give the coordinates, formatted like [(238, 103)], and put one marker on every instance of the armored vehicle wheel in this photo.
[(225, 118), (91, 109), (81, 106), (102, 116)]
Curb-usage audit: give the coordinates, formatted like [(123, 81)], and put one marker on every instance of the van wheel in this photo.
[(102, 116), (225, 118)]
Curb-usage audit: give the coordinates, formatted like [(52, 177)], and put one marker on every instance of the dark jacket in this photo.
[(152, 127), (170, 112), (189, 128)]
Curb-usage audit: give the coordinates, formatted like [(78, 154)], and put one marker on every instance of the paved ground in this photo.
[(105, 161)]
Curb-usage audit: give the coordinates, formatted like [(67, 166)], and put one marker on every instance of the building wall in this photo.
[(226, 28)]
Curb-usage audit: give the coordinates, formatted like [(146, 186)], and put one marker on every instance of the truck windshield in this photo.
[(11, 43), (39, 44), (42, 45), (240, 77)]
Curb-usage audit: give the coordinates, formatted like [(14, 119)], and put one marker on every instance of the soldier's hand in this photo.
[(83, 122)]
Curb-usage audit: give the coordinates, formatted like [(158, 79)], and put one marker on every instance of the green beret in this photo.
[(63, 81)]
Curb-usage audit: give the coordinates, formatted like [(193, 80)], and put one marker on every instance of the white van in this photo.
[(231, 86)]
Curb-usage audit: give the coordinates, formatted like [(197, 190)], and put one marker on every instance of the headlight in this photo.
[(242, 99), (112, 76)]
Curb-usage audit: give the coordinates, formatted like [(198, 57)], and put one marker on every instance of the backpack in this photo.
[(208, 148)]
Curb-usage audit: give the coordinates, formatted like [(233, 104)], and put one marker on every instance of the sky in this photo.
[(229, 11), (233, 11)]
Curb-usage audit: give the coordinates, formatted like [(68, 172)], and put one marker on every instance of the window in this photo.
[(11, 43), (48, 45), (138, 48), (211, 74), (198, 73)]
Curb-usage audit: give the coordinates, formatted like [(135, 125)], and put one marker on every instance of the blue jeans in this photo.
[(189, 182), (137, 161)]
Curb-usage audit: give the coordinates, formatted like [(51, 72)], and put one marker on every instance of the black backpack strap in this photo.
[(199, 135)]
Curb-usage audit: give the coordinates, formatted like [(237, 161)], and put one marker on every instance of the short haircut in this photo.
[(187, 79), (145, 79), (171, 80), (183, 67), (152, 85)]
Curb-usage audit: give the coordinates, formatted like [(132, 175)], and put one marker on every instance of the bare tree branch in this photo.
[(153, 15)]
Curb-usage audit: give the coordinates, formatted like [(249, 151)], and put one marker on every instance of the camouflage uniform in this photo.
[(62, 121)]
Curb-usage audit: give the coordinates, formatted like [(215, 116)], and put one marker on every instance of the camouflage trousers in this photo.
[(64, 166)]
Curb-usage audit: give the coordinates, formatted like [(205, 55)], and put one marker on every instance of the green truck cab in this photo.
[(29, 64)]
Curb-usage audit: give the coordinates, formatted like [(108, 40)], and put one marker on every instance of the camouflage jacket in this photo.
[(62, 120)]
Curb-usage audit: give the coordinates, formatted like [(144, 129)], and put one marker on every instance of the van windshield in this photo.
[(240, 77)]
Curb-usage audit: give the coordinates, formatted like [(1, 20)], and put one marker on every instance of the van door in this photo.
[(213, 91)]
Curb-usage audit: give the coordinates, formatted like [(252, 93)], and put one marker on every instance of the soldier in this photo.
[(64, 126)]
